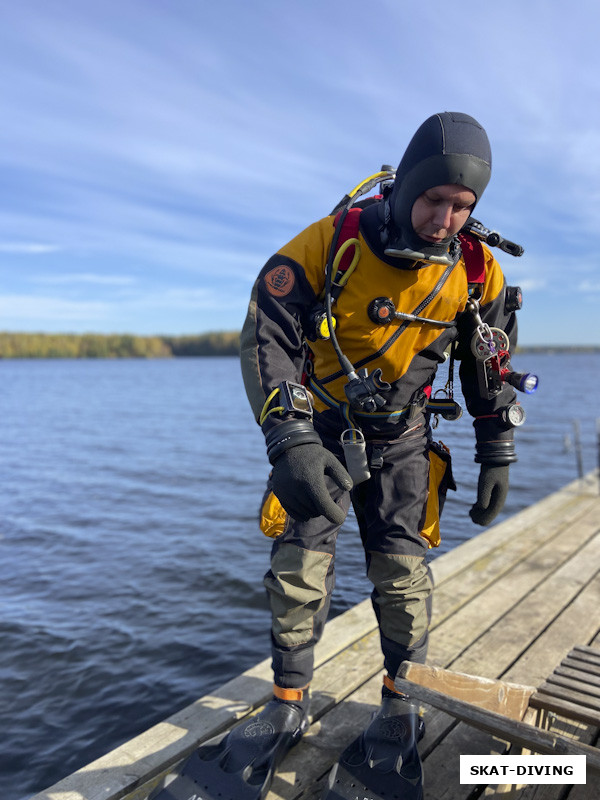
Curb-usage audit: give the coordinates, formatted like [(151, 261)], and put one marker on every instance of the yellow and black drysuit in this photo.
[(391, 505)]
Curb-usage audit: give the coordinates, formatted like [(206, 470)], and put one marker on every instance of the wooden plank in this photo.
[(577, 698), (509, 640), (489, 604), (560, 725), (590, 790), (552, 702), (580, 666), (574, 623), (577, 675), (520, 733), (458, 562), (510, 700), (564, 504), (586, 658), (590, 651), (584, 687), (487, 571), (471, 622)]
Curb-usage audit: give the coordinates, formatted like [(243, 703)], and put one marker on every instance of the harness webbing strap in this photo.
[(349, 230), (474, 258)]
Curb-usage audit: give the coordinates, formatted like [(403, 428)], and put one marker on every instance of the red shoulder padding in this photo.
[(349, 230), (474, 258)]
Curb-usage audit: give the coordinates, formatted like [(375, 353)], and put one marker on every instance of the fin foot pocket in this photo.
[(383, 763), (242, 765)]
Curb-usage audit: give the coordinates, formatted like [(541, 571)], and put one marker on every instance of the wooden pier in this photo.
[(509, 604)]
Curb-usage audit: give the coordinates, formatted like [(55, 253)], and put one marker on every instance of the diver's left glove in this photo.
[(492, 489), (300, 464)]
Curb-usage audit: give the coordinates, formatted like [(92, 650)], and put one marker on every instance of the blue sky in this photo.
[(154, 153)]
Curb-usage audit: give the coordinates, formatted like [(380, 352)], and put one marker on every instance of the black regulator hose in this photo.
[(345, 363)]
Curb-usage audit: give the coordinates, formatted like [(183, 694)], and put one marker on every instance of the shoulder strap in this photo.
[(474, 257), (349, 230)]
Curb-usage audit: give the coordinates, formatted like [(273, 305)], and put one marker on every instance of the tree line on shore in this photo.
[(95, 345)]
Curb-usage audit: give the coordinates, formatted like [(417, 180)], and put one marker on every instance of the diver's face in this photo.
[(440, 212)]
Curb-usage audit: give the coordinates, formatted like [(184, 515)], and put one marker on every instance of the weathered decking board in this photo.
[(509, 604)]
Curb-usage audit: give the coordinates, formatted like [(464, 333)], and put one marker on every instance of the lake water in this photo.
[(130, 559)]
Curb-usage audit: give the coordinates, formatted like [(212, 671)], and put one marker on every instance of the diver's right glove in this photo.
[(300, 464)]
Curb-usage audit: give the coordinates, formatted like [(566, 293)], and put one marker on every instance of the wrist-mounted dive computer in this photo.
[(295, 399)]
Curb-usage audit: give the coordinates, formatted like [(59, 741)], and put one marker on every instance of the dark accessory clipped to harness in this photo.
[(491, 238)]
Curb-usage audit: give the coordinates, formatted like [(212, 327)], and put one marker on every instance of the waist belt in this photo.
[(390, 416)]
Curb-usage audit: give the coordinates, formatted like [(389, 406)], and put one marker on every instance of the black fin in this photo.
[(383, 762), (241, 766)]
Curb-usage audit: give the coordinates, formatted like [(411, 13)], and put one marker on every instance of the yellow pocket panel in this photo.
[(440, 480), (273, 517)]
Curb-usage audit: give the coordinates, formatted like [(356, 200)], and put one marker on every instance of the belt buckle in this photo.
[(415, 407)]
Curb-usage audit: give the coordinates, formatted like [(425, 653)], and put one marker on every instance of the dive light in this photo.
[(525, 382)]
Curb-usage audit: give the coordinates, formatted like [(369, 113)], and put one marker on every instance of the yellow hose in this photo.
[(372, 178), (264, 413)]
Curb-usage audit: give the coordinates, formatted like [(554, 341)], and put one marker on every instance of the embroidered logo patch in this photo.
[(280, 281)]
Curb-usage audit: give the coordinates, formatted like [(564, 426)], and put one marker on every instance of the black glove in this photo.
[(298, 482), (492, 489)]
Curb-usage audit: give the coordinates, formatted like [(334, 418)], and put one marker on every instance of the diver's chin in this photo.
[(434, 239)]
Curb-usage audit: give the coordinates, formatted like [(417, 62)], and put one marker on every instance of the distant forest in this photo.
[(96, 345)]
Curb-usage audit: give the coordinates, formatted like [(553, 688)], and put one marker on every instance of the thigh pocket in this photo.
[(273, 516), (440, 480)]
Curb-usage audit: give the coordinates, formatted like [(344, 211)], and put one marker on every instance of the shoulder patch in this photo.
[(280, 280)]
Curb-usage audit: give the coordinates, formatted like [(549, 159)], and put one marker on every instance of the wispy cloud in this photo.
[(589, 287), (27, 248), (84, 278), (17, 309)]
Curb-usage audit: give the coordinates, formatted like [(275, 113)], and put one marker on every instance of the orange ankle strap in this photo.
[(288, 695), (389, 684)]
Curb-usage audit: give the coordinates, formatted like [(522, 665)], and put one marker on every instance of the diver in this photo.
[(345, 407)]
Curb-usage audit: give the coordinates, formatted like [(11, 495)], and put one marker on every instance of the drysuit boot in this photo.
[(242, 765), (383, 762)]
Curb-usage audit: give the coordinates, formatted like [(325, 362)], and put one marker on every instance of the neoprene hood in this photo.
[(447, 148)]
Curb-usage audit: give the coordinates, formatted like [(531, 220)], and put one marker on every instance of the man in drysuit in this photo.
[(408, 254)]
